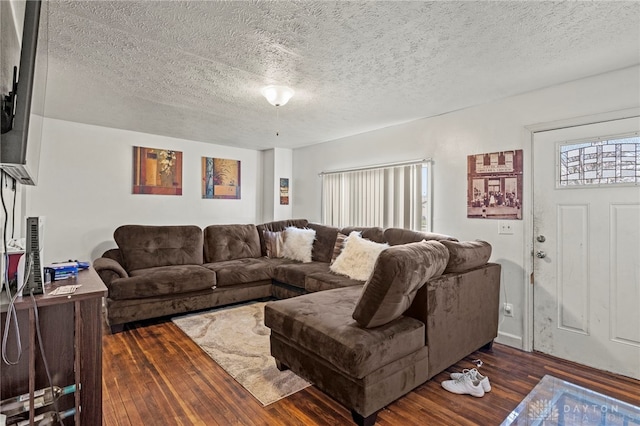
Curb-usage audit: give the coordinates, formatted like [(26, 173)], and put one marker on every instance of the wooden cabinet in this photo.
[(71, 330)]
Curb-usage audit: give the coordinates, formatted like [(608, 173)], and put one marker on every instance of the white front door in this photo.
[(587, 245)]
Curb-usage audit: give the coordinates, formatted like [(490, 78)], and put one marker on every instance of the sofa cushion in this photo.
[(298, 244), (163, 280), (273, 242), (242, 271), (324, 242), (143, 246), (358, 257), (228, 242), (278, 226), (320, 281), (466, 255), (397, 236), (372, 233), (321, 323), (399, 273), (338, 246), (295, 273)]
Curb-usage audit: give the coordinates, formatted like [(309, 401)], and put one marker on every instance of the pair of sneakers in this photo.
[(468, 382)]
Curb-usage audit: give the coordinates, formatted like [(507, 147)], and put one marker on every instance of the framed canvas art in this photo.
[(220, 178), (284, 191), (494, 185), (157, 171)]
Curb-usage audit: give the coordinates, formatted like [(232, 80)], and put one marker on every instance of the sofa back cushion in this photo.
[(466, 255), (143, 246), (373, 233), (278, 226), (396, 236), (324, 242), (229, 242), (399, 273), (114, 254)]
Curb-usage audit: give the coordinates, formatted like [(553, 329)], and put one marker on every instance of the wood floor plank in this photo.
[(154, 374)]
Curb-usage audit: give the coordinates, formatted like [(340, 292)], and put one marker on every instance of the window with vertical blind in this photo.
[(394, 195)]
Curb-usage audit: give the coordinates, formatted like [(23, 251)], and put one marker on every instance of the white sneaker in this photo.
[(464, 385), (475, 374)]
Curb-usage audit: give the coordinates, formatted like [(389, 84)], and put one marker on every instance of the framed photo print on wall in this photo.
[(494, 185)]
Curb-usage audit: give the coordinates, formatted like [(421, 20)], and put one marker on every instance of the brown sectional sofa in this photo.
[(427, 304), (166, 270)]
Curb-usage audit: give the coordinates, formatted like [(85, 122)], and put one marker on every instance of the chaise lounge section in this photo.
[(368, 347)]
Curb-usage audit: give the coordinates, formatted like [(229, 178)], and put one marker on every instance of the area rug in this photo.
[(237, 339)]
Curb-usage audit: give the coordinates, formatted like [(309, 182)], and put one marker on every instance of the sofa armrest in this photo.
[(109, 270), (460, 311)]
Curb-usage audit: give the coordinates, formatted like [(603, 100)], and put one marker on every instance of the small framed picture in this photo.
[(284, 191)]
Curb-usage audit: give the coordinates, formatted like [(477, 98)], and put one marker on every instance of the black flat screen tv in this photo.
[(20, 146)]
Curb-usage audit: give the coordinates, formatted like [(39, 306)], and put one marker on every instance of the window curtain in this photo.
[(385, 197)]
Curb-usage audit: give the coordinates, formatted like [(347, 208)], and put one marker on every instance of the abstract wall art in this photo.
[(220, 178), (157, 171)]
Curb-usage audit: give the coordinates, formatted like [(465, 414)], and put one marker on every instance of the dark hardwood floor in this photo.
[(154, 375)]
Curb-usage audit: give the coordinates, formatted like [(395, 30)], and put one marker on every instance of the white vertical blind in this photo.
[(383, 196)]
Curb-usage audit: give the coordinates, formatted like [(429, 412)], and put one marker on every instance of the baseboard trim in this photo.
[(509, 339)]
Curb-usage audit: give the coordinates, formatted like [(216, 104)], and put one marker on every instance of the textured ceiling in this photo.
[(194, 70)]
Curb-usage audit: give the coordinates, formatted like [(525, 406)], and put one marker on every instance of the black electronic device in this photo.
[(23, 106), (33, 253)]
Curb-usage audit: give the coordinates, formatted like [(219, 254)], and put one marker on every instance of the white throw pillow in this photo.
[(358, 257), (298, 243)]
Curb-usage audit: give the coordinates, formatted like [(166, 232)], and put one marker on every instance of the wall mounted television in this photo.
[(23, 107)]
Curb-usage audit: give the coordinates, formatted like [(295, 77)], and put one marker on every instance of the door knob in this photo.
[(541, 238), (540, 254)]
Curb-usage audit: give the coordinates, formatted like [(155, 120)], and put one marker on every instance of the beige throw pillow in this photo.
[(273, 242), (358, 257)]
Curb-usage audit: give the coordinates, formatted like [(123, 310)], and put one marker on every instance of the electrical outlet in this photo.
[(508, 309), (505, 228)]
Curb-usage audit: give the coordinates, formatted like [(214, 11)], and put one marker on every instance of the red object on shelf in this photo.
[(14, 258)]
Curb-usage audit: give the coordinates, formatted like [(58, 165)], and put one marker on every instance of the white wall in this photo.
[(85, 188), (277, 163), (268, 173), (448, 139)]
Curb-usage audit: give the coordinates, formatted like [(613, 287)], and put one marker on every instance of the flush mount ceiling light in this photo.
[(277, 95)]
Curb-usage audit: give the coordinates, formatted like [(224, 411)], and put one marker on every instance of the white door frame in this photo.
[(527, 334)]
